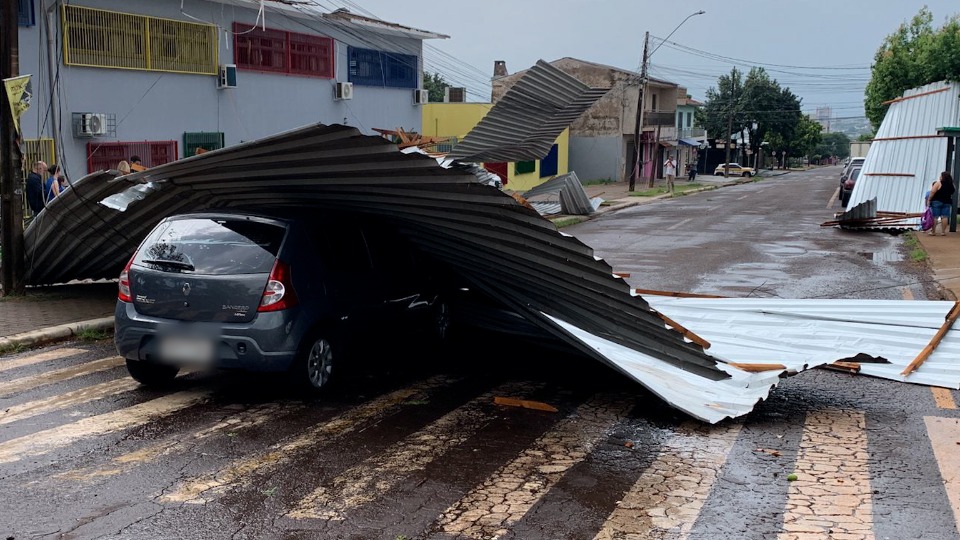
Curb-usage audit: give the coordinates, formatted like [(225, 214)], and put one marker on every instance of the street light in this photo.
[(643, 85)]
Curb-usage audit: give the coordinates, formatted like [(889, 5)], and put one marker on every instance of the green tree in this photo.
[(806, 137), (834, 144), (914, 55), (434, 83), (758, 106)]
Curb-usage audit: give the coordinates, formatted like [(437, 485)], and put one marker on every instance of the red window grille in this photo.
[(283, 52), (104, 156)]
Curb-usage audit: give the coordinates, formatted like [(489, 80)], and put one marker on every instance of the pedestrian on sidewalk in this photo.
[(940, 200), (35, 187), (670, 172)]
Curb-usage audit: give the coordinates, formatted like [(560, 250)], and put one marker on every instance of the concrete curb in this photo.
[(53, 333)]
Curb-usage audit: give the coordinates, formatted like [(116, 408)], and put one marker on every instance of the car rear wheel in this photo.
[(746, 175), (150, 374), (315, 367)]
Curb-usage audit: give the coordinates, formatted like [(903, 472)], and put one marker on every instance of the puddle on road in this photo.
[(886, 255)]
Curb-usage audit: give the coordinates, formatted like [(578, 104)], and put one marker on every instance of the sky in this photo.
[(841, 35)]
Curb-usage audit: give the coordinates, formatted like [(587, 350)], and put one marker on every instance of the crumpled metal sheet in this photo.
[(526, 121), (906, 145), (489, 239), (566, 190), (805, 333)]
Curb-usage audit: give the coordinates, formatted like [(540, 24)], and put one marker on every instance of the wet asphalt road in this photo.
[(409, 447)]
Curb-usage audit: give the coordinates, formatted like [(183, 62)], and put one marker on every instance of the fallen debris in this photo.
[(937, 338), (774, 453), (524, 403)]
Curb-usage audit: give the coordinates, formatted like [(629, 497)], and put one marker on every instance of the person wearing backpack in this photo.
[(940, 201)]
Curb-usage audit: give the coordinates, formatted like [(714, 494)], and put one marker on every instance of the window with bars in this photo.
[(25, 14), (110, 39), (370, 67), (35, 150), (102, 156), (207, 140), (283, 52)]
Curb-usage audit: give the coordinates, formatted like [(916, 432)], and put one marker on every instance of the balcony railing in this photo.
[(691, 133), (659, 118)]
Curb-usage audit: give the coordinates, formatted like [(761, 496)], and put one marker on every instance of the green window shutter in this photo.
[(524, 167), (208, 140)]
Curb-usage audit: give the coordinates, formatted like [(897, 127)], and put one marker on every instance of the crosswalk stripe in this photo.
[(943, 397), (666, 499), (238, 420), (58, 375), (44, 356), (206, 487), (503, 498), (832, 494), (66, 400), (944, 435), (364, 482), (41, 442)]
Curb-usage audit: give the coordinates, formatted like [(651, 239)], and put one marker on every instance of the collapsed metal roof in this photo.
[(555, 281), (526, 121), (907, 155), (807, 333), (562, 194)]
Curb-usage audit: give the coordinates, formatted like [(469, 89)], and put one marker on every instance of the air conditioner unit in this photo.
[(343, 90), (93, 124), (228, 76), (421, 96), (454, 95)]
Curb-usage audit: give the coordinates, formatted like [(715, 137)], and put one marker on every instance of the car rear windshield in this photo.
[(212, 246)]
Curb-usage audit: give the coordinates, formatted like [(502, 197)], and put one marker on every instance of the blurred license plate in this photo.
[(186, 350)]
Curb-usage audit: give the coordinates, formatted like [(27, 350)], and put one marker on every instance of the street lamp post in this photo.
[(643, 85)]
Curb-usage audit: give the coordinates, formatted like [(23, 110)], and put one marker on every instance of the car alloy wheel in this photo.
[(319, 363)]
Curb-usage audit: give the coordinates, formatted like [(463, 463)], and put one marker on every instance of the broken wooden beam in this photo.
[(757, 368), (675, 294), (686, 333), (937, 338)]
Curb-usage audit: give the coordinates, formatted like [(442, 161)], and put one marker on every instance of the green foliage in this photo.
[(834, 144), (755, 100), (92, 334), (914, 55), (866, 137), (806, 137), (434, 84)]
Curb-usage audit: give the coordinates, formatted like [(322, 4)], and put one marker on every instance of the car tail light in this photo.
[(123, 292), (279, 293)]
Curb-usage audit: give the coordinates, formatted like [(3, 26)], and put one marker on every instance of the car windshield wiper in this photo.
[(175, 264)]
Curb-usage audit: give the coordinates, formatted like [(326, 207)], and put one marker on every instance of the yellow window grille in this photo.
[(35, 150), (110, 39)]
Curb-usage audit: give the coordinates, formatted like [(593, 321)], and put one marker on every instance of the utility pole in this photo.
[(636, 132), (11, 192), (733, 101)]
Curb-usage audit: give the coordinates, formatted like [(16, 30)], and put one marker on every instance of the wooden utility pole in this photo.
[(733, 101), (637, 153), (11, 191)]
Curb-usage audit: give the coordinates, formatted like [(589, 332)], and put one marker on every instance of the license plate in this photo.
[(186, 350)]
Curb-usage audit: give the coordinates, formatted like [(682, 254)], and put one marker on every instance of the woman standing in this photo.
[(51, 188), (940, 201)]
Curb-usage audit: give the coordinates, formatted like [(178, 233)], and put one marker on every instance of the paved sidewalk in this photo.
[(49, 313)]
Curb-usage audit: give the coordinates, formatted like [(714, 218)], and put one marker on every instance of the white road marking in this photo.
[(206, 487), (832, 494), (37, 444), (668, 496), (944, 435), (58, 375), (366, 481), (680, 224), (66, 400), (45, 356), (503, 498)]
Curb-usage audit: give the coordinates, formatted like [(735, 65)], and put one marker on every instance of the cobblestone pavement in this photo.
[(43, 307)]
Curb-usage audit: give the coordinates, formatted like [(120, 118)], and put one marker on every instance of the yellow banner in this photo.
[(19, 93)]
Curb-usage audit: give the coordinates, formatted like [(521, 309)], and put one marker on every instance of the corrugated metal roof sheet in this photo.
[(526, 122), (906, 156), (479, 231), (807, 333), (566, 190)]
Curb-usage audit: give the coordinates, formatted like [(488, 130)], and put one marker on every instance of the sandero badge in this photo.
[(268, 293)]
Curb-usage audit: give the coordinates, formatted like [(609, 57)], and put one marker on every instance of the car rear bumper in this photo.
[(268, 343)]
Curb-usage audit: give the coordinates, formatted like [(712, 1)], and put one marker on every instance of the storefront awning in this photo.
[(689, 142)]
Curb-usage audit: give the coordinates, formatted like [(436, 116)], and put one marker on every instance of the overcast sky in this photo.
[(823, 33)]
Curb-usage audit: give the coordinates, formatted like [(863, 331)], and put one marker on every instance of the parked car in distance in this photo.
[(847, 187), (735, 170), (264, 293), (854, 162)]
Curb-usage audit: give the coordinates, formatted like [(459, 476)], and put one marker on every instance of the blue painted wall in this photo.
[(162, 106)]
